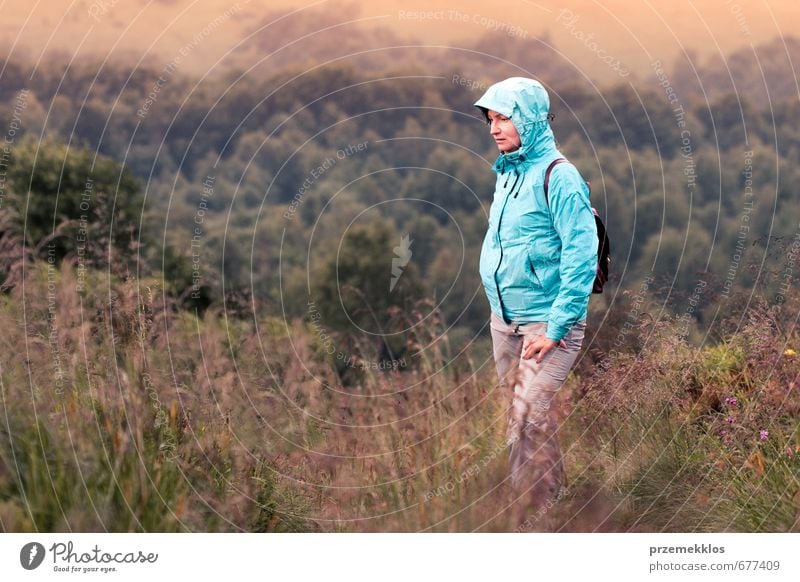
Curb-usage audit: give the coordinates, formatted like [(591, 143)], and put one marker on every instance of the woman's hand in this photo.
[(539, 345)]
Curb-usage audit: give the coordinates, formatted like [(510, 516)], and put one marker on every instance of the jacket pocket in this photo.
[(545, 270), (533, 271)]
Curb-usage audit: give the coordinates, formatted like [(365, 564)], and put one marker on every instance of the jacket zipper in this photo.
[(500, 244)]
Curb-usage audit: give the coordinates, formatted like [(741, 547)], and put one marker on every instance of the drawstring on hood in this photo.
[(516, 178), (520, 185)]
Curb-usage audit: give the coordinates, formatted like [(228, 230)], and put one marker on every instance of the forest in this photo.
[(189, 260)]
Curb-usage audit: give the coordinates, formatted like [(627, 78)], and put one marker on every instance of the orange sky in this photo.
[(634, 32)]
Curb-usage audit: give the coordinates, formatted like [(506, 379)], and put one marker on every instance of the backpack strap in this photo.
[(549, 169), (604, 245)]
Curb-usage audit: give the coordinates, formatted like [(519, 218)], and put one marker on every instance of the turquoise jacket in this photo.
[(537, 263)]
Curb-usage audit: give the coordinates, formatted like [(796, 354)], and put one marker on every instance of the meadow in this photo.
[(123, 413)]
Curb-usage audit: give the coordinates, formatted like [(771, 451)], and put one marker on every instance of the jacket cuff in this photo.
[(556, 332)]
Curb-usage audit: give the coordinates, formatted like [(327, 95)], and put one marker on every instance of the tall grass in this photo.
[(682, 430), (122, 413), (108, 425)]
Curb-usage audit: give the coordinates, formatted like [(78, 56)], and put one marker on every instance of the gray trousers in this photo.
[(537, 470)]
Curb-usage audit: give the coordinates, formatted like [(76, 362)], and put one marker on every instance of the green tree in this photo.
[(67, 201), (370, 287)]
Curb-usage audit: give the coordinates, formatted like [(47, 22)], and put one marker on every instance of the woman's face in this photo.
[(503, 132)]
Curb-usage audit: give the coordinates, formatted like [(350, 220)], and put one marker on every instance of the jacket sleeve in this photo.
[(575, 225)]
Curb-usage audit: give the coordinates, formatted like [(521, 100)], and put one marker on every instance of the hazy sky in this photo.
[(634, 32)]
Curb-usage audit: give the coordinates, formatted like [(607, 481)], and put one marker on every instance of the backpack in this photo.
[(603, 244)]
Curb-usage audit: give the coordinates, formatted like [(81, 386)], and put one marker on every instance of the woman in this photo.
[(538, 264)]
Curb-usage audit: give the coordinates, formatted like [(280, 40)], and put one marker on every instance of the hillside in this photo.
[(239, 284), (124, 415)]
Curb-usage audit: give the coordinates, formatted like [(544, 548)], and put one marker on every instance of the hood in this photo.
[(526, 102)]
